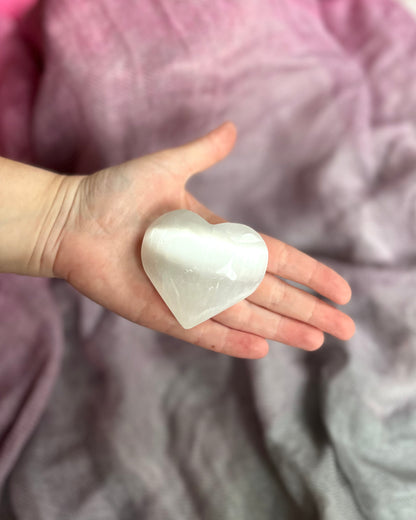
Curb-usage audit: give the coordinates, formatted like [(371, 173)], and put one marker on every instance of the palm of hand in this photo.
[(99, 254)]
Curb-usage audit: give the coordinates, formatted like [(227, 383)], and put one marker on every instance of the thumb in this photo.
[(202, 153)]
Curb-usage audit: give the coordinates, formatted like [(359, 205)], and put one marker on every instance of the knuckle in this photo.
[(310, 314), (283, 256), (277, 330), (279, 293)]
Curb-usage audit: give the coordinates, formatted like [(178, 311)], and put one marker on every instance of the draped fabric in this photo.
[(103, 419)]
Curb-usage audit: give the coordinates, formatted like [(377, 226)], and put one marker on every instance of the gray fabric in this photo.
[(141, 425)]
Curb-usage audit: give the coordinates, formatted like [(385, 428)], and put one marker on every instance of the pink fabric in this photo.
[(20, 68), (140, 425), (15, 8)]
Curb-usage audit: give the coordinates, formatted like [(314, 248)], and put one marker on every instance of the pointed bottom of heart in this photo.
[(196, 303)]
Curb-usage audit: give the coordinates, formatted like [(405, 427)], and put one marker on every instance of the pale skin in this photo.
[(88, 230)]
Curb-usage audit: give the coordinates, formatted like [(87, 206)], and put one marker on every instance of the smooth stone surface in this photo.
[(200, 269)]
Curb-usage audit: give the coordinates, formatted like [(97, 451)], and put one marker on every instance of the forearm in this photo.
[(32, 204)]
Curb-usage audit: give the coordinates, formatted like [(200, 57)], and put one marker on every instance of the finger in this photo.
[(215, 336), (253, 319), (210, 334), (282, 298), (288, 262), (200, 154)]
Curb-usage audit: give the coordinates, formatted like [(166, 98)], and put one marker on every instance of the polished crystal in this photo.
[(200, 269)]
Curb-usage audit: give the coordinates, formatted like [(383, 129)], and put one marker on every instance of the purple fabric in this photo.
[(140, 425), (31, 347)]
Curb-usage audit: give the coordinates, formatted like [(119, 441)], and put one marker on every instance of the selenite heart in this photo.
[(200, 269)]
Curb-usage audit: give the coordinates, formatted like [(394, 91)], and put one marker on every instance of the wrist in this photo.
[(34, 204), (57, 206)]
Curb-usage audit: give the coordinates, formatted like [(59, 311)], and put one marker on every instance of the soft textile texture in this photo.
[(15, 8), (140, 425)]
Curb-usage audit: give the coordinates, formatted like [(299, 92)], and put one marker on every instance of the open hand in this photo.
[(97, 250)]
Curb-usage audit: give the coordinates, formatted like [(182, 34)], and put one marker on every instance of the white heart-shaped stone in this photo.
[(200, 269)]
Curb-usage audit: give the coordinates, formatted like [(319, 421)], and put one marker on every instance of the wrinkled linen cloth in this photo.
[(103, 419)]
